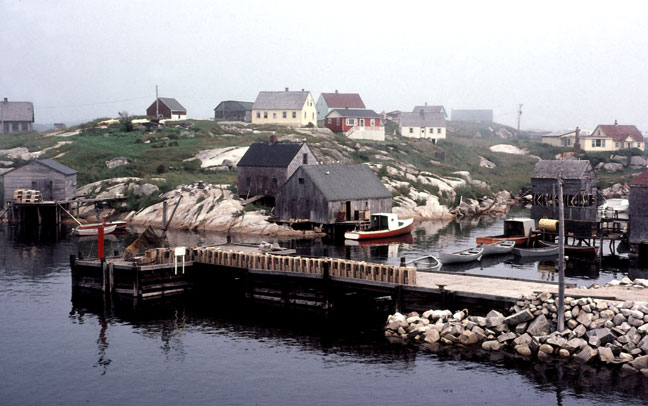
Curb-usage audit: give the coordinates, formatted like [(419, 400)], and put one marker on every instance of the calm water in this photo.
[(60, 348)]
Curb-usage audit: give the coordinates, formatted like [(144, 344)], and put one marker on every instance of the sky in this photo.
[(570, 63)]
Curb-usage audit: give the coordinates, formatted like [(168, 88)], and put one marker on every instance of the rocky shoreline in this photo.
[(596, 331)]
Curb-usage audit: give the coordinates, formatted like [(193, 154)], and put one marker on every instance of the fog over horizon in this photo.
[(578, 63)]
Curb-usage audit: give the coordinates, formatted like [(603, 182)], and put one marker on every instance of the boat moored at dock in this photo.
[(468, 255), (518, 230), (382, 225)]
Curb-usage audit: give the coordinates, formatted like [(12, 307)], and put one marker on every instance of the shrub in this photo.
[(160, 168)]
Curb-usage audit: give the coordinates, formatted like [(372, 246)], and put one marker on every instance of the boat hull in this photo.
[(520, 241), (498, 248), (405, 228), (535, 252), (83, 231), (572, 250), (461, 256)]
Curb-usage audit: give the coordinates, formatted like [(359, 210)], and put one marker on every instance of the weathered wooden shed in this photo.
[(54, 180), (638, 217), (233, 110), (266, 166), (580, 193), (326, 194)]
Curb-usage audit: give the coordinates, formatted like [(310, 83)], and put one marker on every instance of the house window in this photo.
[(411, 131), (337, 121), (616, 145), (304, 114), (438, 131), (598, 142), (285, 115), (301, 181), (568, 141), (274, 116), (274, 181), (350, 121), (265, 114), (294, 115), (305, 159), (258, 114), (593, 143), (248, 181), (313, 116), (14, 126), (329, 121), (372, 122), (603, 143)]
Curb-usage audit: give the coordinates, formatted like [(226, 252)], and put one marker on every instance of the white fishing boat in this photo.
[(92, 229), (498, 248), (468, 255), (383, 225)]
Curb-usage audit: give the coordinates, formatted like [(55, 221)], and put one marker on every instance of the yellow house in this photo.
[(612, 137), (296, 108)]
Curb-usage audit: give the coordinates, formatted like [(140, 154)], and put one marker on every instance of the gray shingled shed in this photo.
[(16, 116), (580, 195), (326, 194), (54, 180)]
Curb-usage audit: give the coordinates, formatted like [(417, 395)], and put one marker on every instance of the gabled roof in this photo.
[(172, 104), (343, 100), (233, 105), (429, 109), (280, 100), (353, 113), (620, 133), (641, 180), (570, 169), (270, 154), (50, 163), (345, 182), (17, 111), (422, 119)]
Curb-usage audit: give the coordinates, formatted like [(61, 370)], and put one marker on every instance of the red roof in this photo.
[(620, 132), (641, 180), (343, 100)]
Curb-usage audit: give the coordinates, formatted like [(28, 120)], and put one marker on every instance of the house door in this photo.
[(362, 122), (347, 207), (422, 132), (47, 193)]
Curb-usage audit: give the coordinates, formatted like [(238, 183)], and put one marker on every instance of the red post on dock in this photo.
[(100, 240)]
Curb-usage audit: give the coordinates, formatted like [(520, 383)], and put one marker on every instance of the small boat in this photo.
[(498, 248), (573, 250), (469, 255), (518, 230), (382, 225), (536, 252), (94, 230), (425, 263)]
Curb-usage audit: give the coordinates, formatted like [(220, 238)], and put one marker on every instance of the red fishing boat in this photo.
[(382, 225)]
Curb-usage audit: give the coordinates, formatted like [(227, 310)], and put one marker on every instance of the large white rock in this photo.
[(220, 156), (508, 149)]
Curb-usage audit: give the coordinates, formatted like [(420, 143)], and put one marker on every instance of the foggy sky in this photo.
[(570, 63)]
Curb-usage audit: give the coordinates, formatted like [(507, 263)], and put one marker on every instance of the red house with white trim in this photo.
[(356, 124)]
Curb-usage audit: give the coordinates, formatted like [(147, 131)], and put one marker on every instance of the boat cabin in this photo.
[(516, 227), (384, 221)]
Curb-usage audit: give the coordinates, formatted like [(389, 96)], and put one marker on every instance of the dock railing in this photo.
[(337, 267)]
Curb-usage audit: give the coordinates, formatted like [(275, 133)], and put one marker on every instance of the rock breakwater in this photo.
[(596, 331)]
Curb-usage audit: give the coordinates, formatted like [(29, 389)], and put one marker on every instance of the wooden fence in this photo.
[(283, 263)]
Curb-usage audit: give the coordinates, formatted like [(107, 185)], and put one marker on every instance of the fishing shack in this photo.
[(330, 195), (638, 217), (580, 194)]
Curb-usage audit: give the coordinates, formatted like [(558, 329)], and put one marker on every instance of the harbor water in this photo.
[(63, 347)]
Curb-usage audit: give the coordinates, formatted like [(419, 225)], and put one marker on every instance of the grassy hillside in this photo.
[(161, 152)]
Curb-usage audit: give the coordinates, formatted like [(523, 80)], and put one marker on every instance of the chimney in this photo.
[(426, 103), (577, 139), (302, 90), (336, 91), (615, 122), (273, 139), (6, 100), (286, 89)]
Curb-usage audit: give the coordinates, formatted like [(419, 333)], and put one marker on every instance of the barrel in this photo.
[(548, 224)]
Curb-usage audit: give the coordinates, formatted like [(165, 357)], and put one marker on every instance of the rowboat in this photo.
[(536, 252), (425, 263), (83, 230), (468, 255), (498, 248), (573, 250), (518, 230), (382, 225)]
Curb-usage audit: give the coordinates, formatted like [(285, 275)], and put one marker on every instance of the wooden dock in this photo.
[(320, 282)]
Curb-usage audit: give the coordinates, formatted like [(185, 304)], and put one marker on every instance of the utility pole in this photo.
[(561, 257), (157, 109), (517, 135)]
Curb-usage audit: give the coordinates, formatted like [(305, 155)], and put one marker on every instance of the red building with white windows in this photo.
[(358, 124)]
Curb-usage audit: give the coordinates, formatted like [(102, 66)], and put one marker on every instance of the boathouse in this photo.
[(266, 166), (638, 217), (327, 194), (232, 110), (580, 198), (55, 181)]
